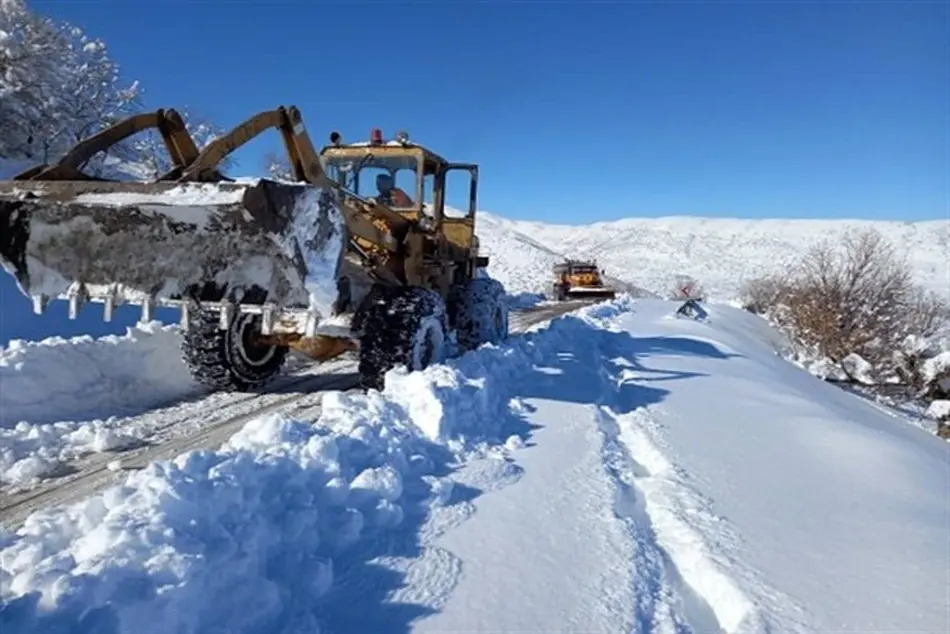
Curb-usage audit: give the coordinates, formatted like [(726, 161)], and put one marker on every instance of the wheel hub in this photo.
[(250, 348)]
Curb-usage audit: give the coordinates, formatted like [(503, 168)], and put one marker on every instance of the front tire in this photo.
[(402, 326), (230, 359), (481, 313)]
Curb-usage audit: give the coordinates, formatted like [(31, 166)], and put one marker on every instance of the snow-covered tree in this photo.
[(57, 85), (150, 157), (29, 49), (940, 412), (277, 166)]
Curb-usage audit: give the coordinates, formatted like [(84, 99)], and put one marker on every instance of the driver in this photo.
[(389, 194)]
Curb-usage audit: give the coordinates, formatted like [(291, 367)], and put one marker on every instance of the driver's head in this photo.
[(384, 183)]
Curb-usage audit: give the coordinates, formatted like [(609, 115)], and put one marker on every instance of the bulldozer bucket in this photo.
[(250, 245), (190, 237)]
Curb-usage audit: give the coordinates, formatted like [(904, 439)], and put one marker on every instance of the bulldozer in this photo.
[(261, 266), (580, 279)]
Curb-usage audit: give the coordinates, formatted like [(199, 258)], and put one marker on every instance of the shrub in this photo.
[(858, 299), (855, 311)]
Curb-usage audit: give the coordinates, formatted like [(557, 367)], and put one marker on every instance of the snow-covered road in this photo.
[(618, 469), (67, 447)]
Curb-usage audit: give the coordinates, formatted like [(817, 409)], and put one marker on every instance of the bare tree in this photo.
[(760, 294), (859, 298), (853, 299), (927, 314)]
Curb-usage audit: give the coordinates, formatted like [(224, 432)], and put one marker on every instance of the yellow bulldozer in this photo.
[(580, 279), (261, 266)]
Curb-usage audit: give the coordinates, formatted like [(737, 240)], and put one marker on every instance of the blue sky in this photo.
[(587, 110)]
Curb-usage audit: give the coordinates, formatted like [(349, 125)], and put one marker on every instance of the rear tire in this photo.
[(402, 326), (481, 313), (229, 359)]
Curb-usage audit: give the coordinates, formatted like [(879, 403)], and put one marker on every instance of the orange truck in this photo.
[(580, 279)]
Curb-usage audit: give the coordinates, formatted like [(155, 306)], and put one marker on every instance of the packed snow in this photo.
[(626, 469), (318, 235), (197, 194)]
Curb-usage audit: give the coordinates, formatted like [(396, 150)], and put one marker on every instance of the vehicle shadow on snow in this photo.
[(577, 370), (396, 576)]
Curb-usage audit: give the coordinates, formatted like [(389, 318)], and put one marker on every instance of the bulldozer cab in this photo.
[(418, 176)]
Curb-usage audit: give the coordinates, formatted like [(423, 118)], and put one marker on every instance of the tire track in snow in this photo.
[(95, 474), (161, 423), (688, 587), (683, 587), (666, 604), (701, 545)]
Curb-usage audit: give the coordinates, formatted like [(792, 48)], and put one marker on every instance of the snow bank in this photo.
[(67, 379), (456, 402), (830, 513), (243, 539)]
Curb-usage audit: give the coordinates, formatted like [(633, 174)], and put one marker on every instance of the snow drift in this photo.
[(818, 496)]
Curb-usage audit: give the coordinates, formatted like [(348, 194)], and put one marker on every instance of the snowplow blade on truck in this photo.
[(188, 236), (583, 292)]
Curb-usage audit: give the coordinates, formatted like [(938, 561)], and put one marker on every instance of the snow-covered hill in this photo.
[(719, 252)]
